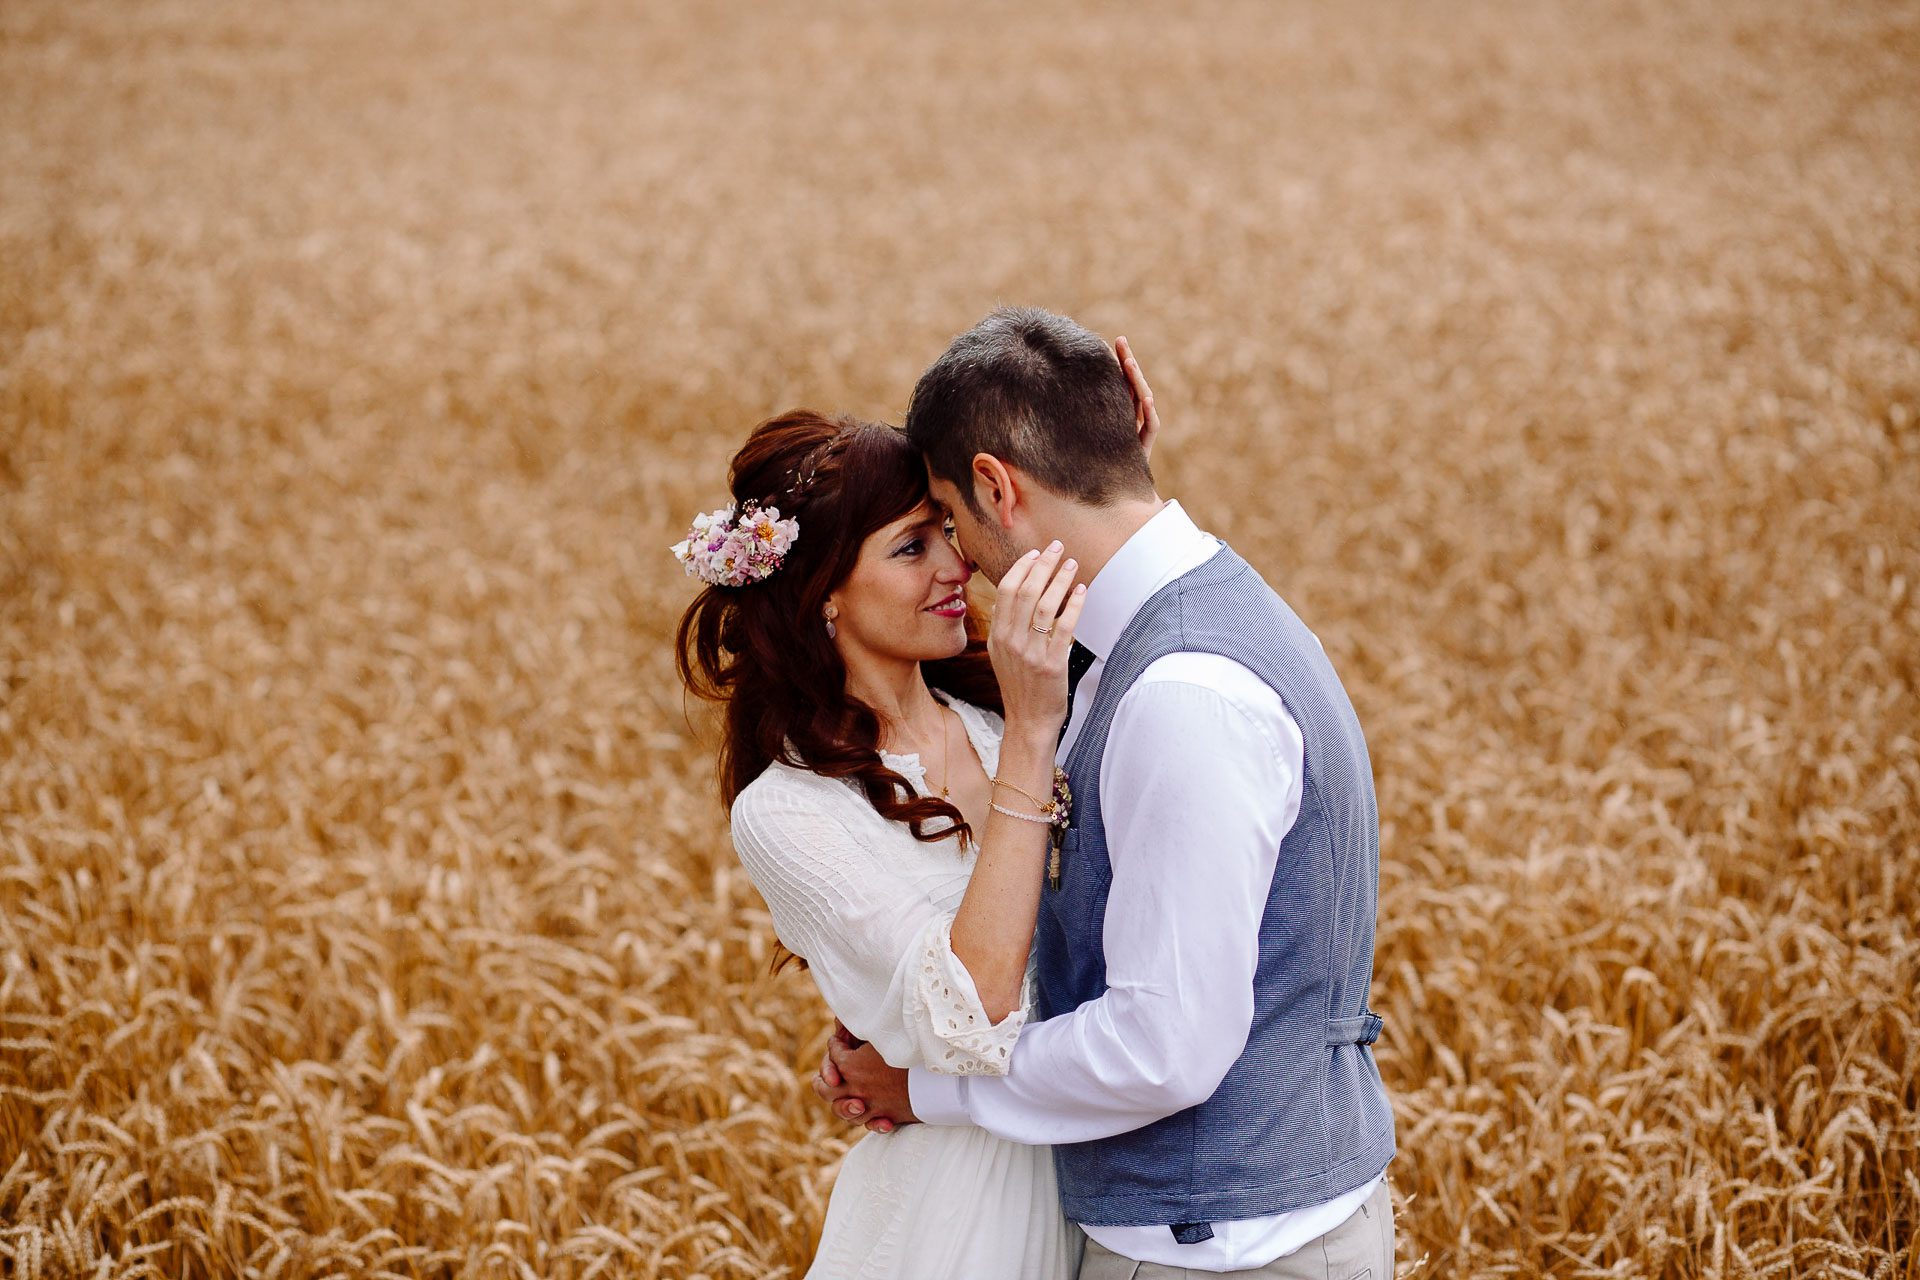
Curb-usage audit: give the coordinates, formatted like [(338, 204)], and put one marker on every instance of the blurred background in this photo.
[(365, 902)]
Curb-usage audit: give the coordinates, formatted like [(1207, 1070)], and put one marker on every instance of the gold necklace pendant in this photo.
[(946, 757)]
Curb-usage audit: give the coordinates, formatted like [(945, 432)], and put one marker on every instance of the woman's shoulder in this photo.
[(792, 826), (776, 782), (785, 793)]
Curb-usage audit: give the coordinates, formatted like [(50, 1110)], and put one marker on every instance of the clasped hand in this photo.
[(859, 1085)]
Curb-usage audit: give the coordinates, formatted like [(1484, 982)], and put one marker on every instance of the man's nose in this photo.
[(960, 549)]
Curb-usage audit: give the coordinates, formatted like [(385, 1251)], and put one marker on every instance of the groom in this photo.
[(1202, 1062)]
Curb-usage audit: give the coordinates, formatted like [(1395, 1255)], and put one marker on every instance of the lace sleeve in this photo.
[(945, 1016), (838, 896)]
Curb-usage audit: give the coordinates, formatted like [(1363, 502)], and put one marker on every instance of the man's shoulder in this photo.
[(1160, 690), (1227, 604), (1226, 675)]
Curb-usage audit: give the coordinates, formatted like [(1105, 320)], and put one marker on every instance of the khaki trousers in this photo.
[(1361, 1248)]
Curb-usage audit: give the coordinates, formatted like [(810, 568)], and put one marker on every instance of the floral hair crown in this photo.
[(736, 546), (733, 547)]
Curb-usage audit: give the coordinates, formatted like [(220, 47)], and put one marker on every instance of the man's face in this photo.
[(981, 539)]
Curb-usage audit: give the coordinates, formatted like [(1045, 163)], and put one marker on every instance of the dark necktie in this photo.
[(1079, 658)]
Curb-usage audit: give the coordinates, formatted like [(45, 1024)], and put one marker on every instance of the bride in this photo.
[(892, 787)]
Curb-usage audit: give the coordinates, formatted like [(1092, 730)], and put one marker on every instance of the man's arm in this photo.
[(1200, 782)]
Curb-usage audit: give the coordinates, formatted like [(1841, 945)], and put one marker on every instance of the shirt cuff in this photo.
[(936, 1098)]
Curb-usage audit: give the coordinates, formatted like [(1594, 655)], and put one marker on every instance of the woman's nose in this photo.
[(957, 568)]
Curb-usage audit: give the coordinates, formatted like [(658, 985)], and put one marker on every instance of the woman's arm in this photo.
[(877, 947), (831, 880), (993, 929)]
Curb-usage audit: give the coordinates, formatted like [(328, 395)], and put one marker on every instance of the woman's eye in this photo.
[(912, 548)]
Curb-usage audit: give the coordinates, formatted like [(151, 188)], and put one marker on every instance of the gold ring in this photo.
[(1045, 631)]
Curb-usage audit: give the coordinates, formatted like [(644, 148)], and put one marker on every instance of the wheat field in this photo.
[(366, 908)]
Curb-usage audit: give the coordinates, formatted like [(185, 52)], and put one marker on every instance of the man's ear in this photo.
[(995, 490)]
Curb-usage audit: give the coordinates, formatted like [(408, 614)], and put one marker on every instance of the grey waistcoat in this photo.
[(1301, 1116)]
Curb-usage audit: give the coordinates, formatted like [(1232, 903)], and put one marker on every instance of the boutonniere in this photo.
[(1056, 812), (1060, 810)]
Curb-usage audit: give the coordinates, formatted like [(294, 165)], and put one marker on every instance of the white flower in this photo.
[(731, 548)]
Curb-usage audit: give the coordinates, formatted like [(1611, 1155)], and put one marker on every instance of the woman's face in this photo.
[(905, 599)]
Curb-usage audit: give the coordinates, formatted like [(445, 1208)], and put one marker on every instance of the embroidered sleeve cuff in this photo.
[(944, 1013), (937, 1098)]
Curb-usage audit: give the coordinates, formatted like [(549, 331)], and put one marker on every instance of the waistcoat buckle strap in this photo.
[(1362, 1028)]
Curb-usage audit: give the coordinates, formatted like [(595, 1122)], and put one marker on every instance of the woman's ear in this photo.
[(995, 490)]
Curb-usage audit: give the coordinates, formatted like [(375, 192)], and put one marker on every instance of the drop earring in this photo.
[(832, 612)]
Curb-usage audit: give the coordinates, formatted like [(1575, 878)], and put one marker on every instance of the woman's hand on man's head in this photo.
[(1146, 420)]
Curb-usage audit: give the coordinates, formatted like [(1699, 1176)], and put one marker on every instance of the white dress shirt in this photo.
[(1202, 769)]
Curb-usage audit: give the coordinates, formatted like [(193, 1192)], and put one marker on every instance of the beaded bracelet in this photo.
[(1024, 817), (1045, 807)]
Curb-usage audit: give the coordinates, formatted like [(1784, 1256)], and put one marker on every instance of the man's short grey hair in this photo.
[(1039, 392)]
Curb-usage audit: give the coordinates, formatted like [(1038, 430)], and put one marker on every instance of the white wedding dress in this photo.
[(871, 908)]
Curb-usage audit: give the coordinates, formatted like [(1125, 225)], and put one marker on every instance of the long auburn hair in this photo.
[(762, 650)]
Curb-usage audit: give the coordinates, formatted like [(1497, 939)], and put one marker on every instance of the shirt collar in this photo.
[(1140, 567)]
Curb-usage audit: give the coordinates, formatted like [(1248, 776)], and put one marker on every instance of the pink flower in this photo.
[(730, 548)]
